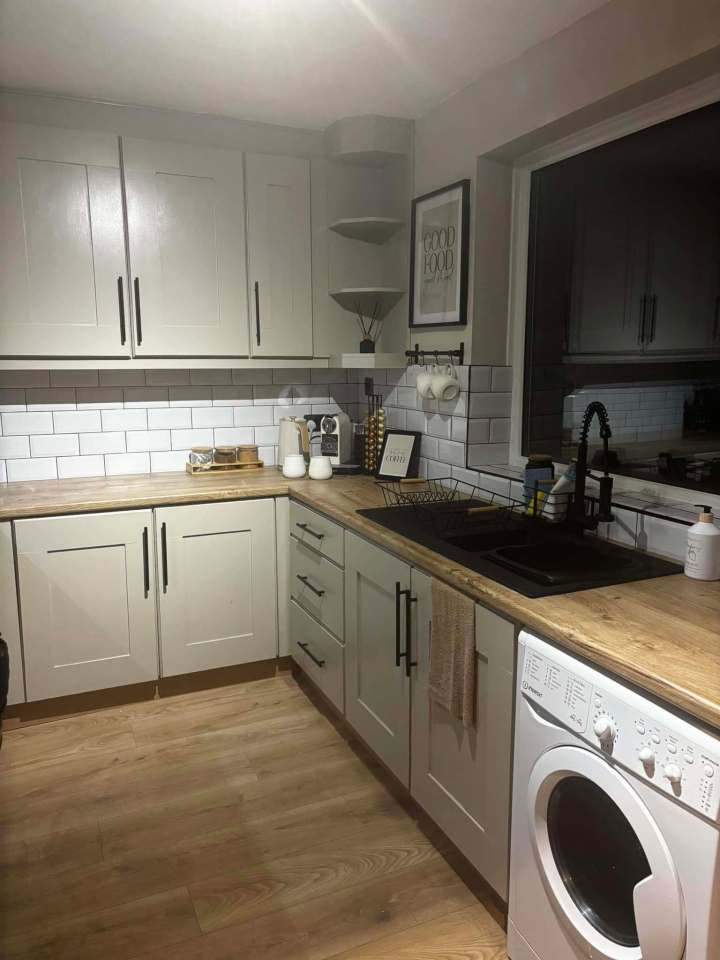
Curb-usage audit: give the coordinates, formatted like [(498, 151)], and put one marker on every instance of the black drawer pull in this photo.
[(308, 651), (146, 562), (163, 556), (138, 317), (121, 308), (313, 533), (306, 582)]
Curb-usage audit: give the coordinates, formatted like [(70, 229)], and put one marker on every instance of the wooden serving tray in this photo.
[(194, 468)]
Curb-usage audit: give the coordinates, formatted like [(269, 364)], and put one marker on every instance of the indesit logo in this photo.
[(439, 254)]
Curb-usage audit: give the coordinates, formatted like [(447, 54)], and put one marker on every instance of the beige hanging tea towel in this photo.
[(452, 652)]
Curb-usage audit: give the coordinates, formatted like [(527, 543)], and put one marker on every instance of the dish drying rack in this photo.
[(453, 506)]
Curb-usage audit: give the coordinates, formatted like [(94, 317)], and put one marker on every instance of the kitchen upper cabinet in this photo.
[(63, 278), (9, 621), (279, 264), (377, 680), (217, 585), (186, 237), (683, 289), (461, 777), (87, 597), (609, 265)]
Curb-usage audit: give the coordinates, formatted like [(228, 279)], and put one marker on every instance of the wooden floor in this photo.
[(218, 825)]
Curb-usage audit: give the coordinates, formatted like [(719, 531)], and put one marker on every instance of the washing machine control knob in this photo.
[(604, 730), (672, 773), (647, 759)]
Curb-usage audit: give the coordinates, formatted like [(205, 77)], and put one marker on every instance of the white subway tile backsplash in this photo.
[(172, 418), (451, 452), (125, 463), (490, 404), (190, 396), (26, 423), (167, 378), (38, 468), (227, 436), (184, 439), (272, 394), (75, 421), (485, 454), (122, 378), (99, 398), (143, 441), (331, 375), (168, 461), (124, 419), (212, 417), (415, 420), (268, 455), (211, 378), (480, 379), (501, 380), (54, 445), (232, 396), (406, 397), (102, 443), (253, 416), (146, 397), (268, 436), (12, 400), (438, 426), (70, 467), (290, 375), (252, 376), (51, 398), (429, 447), (24, 378), (14, 447), (73, 378), (459, 429), (500, 430)]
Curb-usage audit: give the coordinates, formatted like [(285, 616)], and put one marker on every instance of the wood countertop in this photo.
[(662, 635)]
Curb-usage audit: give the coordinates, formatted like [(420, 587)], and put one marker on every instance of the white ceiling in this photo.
[(301, 62)]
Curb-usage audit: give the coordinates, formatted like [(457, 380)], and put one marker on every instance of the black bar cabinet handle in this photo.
[(146, 562), (257, 312), (163, 553), (306, 529), (716, 320), (409, 662), (121, 308), (643, 311), (308, 651), (398, 591), (302, 579), (138, 317), (653, 313)]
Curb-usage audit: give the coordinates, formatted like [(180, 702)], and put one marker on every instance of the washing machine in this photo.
[(615, 840)]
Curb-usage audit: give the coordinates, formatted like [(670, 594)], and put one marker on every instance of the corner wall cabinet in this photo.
[(186, 240), (87, 598), (63, 278), (279, 256), (217, 585), (9, 622)]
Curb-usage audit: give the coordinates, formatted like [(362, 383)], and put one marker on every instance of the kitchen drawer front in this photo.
[(319, 654), (318, 586), (317, 532)]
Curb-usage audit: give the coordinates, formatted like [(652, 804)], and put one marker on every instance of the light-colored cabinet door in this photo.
[(87, 600), (63, 279), (279, 260), (9, 624), (186, 235), (217, 585), (377, 685), (461, 777)]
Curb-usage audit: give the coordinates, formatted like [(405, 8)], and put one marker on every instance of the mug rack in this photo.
[(422, 357)]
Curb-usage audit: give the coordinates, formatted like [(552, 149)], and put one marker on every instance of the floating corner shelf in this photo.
[(368, 300), (376, 230)]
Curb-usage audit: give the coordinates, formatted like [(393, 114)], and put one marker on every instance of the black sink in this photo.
[(534, 557), (567, 561)]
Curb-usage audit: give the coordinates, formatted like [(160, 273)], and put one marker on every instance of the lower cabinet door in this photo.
[(217, 585), (377, 684), (9, 624), (461, 777), (87, 599)]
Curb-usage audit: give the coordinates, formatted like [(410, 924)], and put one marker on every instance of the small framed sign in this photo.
[(399, 455), (439, 243)]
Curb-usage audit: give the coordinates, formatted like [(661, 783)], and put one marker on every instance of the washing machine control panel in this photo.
[(630, 730)]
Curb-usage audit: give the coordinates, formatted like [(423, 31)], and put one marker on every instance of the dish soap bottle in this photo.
[(702, 560)]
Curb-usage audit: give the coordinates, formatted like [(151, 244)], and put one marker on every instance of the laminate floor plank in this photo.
[(227, 824)]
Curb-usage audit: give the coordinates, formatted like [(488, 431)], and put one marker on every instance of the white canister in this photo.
[(293, 466), (702, 560), (320, 468)]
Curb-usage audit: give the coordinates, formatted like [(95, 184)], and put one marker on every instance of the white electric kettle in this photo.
[(294, 438)]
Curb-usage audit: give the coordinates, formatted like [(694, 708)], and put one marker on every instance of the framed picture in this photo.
[(399, 455), (439, 247)]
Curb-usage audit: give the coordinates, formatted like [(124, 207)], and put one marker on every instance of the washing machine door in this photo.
[(604, 863)]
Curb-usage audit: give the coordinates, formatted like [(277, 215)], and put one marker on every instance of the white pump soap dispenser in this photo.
[(702, 560)]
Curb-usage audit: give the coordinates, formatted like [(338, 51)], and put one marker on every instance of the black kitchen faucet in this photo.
[(604, 513)]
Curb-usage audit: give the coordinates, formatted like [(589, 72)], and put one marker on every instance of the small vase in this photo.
[(367, 346)]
